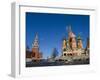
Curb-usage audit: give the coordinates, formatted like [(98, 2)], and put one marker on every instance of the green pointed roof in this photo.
[(67, 40), (79, 37)]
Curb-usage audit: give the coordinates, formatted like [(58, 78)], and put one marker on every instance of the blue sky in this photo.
[(51, 28)]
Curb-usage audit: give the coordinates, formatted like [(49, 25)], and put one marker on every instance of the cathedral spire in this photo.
[(70, 33), (71, 38), (69, 29), (36, 42)]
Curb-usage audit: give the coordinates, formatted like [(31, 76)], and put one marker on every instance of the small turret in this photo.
[(67, 44), (88, 45), (64, 45), (79, 42)]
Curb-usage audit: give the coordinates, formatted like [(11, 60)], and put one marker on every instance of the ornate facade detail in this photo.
[(73, 46)]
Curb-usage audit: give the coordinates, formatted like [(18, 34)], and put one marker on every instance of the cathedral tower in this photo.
[(64, 45), (88, 44), (71, 38), (79, 42)]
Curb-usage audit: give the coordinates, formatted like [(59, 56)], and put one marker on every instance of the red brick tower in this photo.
[(36, 55)]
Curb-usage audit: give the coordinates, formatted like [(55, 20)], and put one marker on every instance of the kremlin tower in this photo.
[(34, 54), (35, 49), (35, 45)]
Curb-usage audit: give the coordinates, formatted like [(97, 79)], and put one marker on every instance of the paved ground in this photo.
[(56, 63)]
